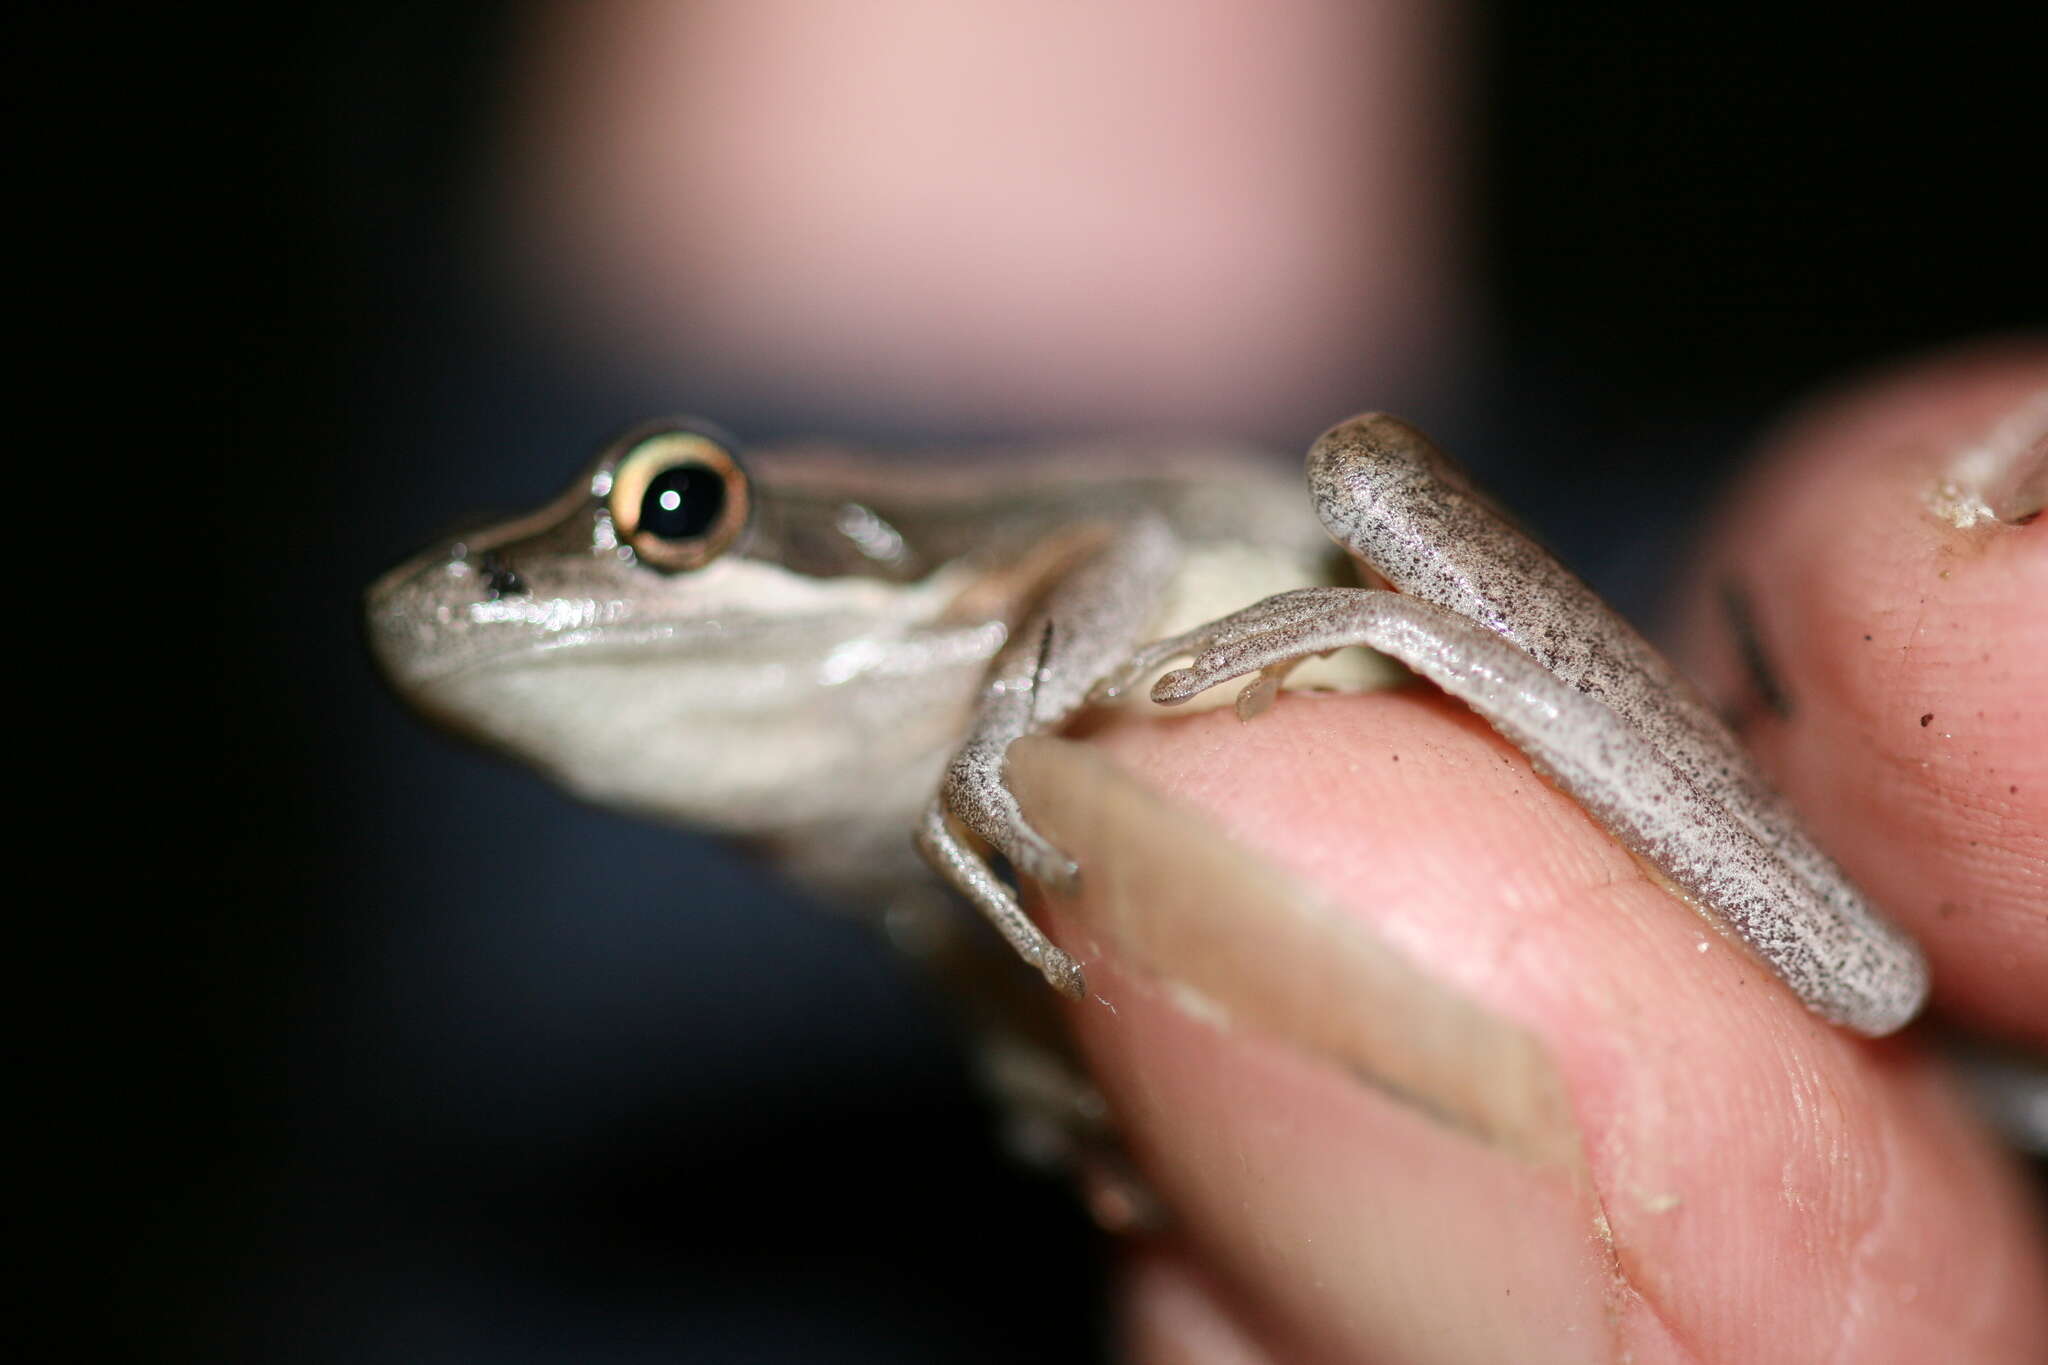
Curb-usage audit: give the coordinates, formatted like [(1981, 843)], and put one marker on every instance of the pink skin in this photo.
[(1775, 1189)]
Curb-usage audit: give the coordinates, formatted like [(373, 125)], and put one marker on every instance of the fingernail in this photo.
[(2002, 476), (1237, 941)]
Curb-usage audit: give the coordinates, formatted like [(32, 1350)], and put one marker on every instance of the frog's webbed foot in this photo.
[(1263, 626)]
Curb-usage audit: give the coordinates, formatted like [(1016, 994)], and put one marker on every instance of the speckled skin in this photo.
[(1493, 619)]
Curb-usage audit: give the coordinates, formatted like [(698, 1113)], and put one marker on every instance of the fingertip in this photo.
[(1887, 659)]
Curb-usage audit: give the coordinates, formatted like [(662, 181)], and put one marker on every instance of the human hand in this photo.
[(1424, 1067)]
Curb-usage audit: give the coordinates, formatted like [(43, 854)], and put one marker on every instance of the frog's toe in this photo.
[(1211, 667), (1063, 974), (1176, 687)]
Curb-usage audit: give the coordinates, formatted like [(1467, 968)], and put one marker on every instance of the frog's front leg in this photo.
[(1085, 628)]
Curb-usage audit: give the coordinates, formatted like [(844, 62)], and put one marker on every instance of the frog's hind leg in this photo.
[(1826, 943), (1086, 627)]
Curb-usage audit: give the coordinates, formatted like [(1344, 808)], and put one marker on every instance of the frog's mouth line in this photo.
[(775, 653), (417, 659), (744, 613)]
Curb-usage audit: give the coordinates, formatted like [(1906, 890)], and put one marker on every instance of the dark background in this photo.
[(397, 1055)]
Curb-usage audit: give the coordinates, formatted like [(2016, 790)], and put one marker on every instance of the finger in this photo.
[(1890, 666), (1203, 218), (1426, 1068)]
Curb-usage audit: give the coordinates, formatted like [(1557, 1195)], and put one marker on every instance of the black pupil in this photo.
[(682, 502)]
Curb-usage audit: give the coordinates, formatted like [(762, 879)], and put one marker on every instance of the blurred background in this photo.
[(434, 1065)]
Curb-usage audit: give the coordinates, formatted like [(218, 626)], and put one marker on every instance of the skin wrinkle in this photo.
[(1985, 811), (1822, 1110), (1634, 1281), (1866, 1216), (1863, 1245), (1624, 1288), (1906, 693), (1888, 1223)]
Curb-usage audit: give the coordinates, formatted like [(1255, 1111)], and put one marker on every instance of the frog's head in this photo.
[(641, 643)]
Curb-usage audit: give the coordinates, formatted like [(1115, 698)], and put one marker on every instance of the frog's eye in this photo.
[(678, 498)]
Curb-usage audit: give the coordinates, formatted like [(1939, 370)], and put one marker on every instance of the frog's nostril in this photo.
[(499, 578)]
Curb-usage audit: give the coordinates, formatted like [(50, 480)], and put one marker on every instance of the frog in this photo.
[(826, 655)]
